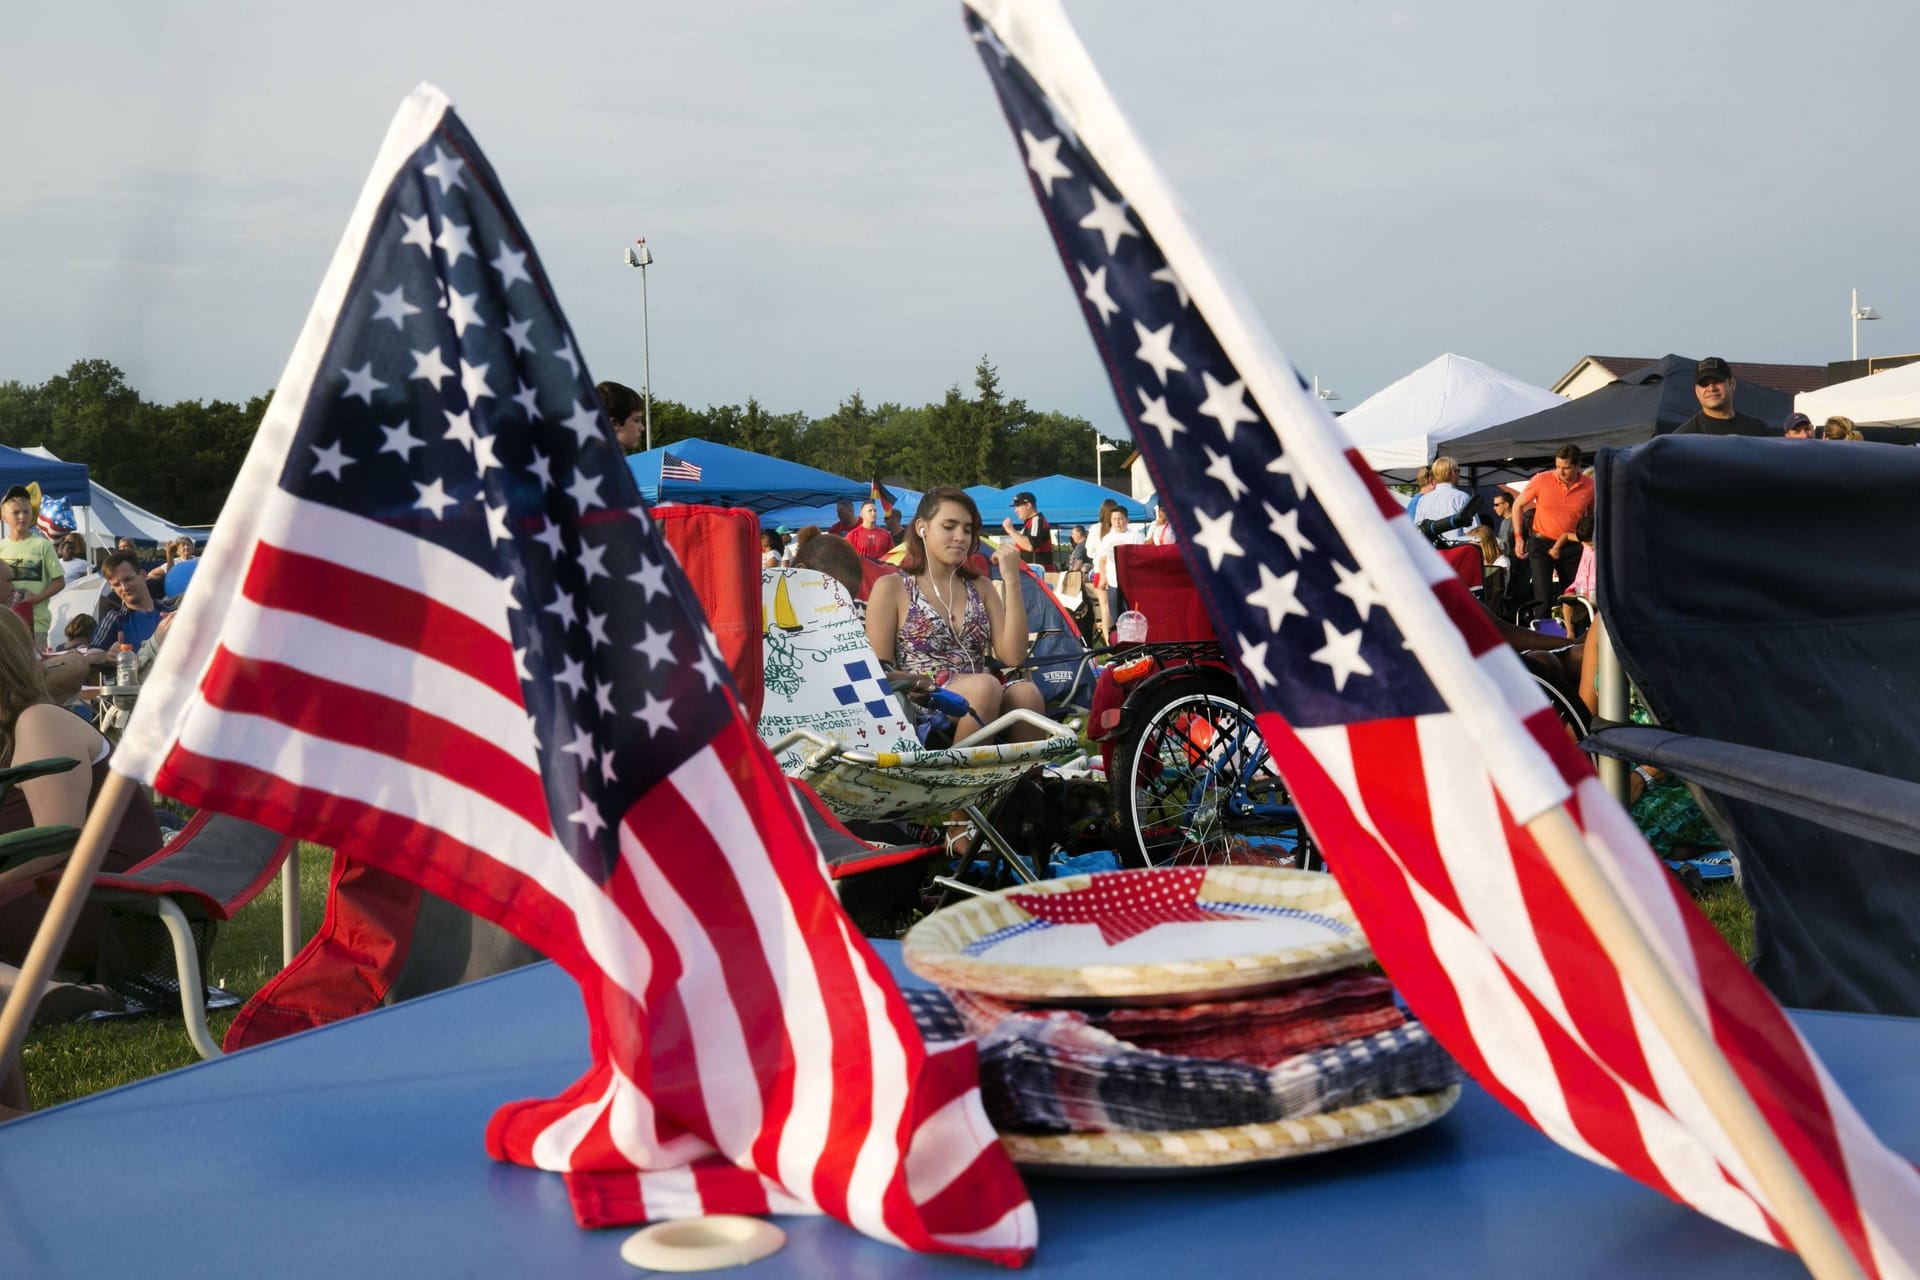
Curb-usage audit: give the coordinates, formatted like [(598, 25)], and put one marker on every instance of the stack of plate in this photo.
[(1117, 992)]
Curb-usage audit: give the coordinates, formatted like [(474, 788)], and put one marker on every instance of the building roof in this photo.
[(1613, 365), (1791, 378)]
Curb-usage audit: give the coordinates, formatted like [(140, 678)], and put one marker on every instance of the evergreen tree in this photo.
[(842, 442), (947, 453)]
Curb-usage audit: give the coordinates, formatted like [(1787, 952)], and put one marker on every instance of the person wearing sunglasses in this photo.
[(1713, 386)]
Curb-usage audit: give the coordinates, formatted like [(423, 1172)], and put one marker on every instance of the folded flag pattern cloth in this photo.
[(1262, 1030), (1052, 1071)]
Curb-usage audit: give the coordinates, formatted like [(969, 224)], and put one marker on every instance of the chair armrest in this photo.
[(32, 769), (17, 847), (827, 747), (1866, 805), (1019, 715)]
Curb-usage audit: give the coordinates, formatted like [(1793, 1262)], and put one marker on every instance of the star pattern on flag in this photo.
[(1301, 622), (422, 437), (1125, 904)]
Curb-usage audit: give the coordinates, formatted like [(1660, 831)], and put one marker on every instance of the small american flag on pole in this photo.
[(438, 631), (1408, 733), (672, 468)]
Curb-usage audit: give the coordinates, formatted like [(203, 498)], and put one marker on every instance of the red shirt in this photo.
[(872, 543), (1557, 507)]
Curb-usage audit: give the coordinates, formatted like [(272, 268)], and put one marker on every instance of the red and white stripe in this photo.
[(361, 692), (1497, 960)]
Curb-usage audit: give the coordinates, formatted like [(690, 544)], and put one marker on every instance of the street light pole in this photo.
[(642, 257), (1860, 313), (1100, 445)]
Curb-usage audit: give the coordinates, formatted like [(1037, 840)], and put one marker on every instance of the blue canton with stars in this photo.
[(452, 405), (1301, 621)]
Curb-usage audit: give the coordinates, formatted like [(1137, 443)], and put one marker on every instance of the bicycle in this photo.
[(1191, 779)]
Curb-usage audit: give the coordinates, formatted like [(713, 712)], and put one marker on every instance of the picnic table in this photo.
[(356, 1149)]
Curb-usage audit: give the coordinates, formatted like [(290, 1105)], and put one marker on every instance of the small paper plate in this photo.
[(703, 1244), (1203, 1150), (1172, 935)]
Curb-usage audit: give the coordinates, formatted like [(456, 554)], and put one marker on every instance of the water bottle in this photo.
[(123, 668)]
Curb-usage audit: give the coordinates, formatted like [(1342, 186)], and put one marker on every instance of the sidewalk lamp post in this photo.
[(639, 255), (1860, 313), (1101, 445)]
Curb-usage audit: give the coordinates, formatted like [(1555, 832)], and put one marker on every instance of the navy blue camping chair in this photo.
[(1056, 660), (1762, 599)]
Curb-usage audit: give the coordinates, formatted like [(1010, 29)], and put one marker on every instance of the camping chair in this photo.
[(1057, 660), (214, 866), (1777, 654), (832, 720), (719, 551)]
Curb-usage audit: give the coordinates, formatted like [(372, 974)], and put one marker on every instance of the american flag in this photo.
[(441, 633), (1406, 730), (672, 468)]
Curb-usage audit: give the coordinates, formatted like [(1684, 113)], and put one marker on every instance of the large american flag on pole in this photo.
[(1408, 733), (438, 630)]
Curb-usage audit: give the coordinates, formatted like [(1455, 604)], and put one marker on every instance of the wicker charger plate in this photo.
[(1202, 1150), (1172, 935)]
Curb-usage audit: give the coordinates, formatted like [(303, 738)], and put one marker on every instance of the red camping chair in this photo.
[(719, 550), (1155, 581), (1468, 564)]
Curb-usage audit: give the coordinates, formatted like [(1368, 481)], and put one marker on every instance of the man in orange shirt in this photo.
[(1559, 498)]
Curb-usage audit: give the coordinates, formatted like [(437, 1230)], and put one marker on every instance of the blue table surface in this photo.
[(357, 1150)]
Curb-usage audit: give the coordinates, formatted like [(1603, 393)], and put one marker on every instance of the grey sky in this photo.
[(835, 202)]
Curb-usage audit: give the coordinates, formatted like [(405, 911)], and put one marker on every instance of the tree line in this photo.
[(180, 460)]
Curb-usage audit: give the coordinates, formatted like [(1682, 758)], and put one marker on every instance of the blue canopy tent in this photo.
[(57, 479), (799, 517), (727, 477), (1065, 501), (989, 500)]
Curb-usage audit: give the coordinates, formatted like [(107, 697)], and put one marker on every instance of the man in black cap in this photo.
[(1713, 386), (1032, 535), (1799, 427)]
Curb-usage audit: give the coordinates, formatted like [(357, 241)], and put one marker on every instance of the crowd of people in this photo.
[(1536, 539)]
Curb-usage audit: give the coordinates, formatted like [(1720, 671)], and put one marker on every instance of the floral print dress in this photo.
[(928, 642)]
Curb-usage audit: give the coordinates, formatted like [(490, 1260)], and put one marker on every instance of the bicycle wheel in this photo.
[(1194, 784)]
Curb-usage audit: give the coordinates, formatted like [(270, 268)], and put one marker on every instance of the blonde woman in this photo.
[(1840, 427), (1446, 513)]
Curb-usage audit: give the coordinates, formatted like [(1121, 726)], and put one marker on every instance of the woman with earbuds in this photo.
[(938, 616)]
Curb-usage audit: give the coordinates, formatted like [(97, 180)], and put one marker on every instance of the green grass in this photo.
[(1727, 910), (67, 1062)]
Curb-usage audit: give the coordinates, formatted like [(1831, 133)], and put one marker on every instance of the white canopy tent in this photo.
[(110, 517), (1402, 427), (1890, 399)]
